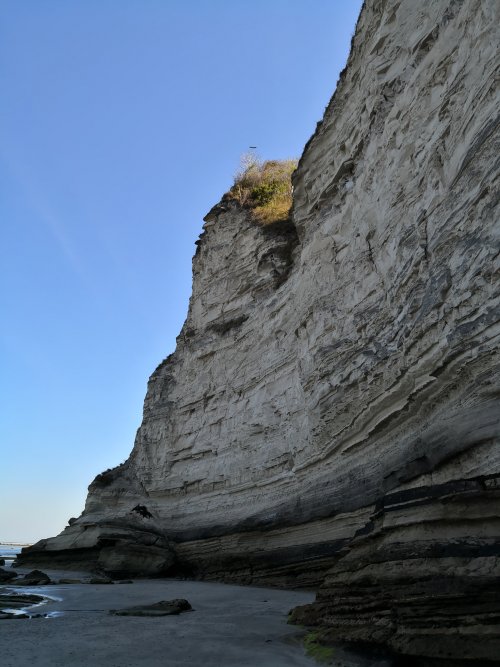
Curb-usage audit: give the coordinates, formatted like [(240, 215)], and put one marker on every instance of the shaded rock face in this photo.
[(120, 548), (331, 413)]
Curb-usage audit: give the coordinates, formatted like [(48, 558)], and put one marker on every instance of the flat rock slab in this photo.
[(163, 608), (13, 601), (10, 602)]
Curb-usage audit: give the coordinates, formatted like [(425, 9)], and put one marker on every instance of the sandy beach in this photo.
[(231, 626)]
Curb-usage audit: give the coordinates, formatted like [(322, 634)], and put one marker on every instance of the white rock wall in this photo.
[(315, 375), (375, 356)]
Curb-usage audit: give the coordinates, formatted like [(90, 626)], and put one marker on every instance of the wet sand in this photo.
[(231, 626)]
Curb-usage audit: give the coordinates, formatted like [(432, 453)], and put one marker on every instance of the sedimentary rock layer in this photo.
[(332, 405)]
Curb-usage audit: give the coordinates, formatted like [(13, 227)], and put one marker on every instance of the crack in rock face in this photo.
[(330, 416)]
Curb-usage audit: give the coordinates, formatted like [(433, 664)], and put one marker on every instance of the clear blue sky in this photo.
[(121, 124)]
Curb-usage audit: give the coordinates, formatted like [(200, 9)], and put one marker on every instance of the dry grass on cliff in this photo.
[(265, 187)]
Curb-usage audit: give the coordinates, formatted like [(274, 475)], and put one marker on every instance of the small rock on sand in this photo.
[(101, 580), (163, 608)]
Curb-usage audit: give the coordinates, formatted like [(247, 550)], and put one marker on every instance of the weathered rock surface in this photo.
[(331, 412)]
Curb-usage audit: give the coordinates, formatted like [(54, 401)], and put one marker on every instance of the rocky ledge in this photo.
[(330, 416)]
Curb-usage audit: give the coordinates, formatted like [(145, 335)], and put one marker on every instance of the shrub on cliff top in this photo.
[(265, 187)]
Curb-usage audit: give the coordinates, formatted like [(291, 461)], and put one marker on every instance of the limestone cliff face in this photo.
[(331, 413)]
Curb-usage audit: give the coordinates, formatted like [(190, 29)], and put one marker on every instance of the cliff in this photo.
[(330, 416)]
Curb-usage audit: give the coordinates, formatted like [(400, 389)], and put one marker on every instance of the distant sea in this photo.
[(9, 551)]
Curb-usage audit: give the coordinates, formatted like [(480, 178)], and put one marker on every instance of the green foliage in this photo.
[(265, 187), (316, 650), (262, 194)]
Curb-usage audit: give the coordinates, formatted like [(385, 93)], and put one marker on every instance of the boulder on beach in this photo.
[(5, 575), (163, 608), (34, 578), (2, 561)]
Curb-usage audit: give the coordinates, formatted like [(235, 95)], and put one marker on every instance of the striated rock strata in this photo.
[(330, 416)]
